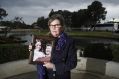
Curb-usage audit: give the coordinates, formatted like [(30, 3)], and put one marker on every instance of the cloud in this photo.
[(30, 10), (114, 2), (112, 11)]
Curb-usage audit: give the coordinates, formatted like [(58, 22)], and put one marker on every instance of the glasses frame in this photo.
[(55, 26)]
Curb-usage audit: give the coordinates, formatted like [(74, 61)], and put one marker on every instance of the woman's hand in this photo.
[(30, 47), (48, 65)]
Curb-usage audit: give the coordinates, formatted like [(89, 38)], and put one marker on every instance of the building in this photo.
[(114, 27)]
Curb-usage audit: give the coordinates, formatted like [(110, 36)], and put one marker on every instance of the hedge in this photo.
[(102, 51), (12, 52), (115, 52)]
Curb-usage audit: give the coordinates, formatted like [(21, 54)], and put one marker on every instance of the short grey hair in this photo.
[(58, 17)]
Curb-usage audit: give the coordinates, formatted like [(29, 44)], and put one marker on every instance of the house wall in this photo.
[(104, 28)]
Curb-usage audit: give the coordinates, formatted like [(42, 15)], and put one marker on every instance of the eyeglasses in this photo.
[(55, 26)]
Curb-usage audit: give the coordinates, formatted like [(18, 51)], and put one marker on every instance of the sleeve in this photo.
[(70, 61)]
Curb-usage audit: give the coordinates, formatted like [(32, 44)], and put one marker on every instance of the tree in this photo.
[(42, 22), (68, 20), (3, 13), (19, 23), (79, 18), (96, 12), (90, 16), (18, 19), (51, 13)]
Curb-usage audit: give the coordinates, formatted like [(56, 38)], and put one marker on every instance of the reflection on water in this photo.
[(25, 36)]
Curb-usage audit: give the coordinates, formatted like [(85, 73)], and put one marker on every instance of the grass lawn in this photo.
[(95, 34)]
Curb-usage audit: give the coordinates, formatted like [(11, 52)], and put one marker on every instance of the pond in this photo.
[(23, 36)]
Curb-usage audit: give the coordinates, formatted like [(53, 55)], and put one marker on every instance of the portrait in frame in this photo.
[(42, 46)]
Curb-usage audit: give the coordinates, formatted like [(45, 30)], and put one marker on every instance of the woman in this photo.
[(63, 56)]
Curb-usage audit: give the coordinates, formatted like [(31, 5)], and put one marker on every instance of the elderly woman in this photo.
[(63, 57)]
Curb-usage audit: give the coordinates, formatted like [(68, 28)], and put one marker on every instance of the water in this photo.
[(24, 36), (27, 38)]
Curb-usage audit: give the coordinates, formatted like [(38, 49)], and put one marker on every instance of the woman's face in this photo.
[(55, 28)]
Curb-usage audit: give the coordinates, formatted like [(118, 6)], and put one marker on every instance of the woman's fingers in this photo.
[(30, 47)]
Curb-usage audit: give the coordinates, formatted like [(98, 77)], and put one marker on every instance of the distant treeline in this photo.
[(94, 13)]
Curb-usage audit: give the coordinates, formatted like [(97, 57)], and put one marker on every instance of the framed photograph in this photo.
[(41, 49)]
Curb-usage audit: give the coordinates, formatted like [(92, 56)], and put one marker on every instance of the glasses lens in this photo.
[(56, 25)]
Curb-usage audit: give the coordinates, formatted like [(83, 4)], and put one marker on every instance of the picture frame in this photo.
[(42, 46)]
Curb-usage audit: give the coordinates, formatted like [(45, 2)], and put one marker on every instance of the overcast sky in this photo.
[(30, 10)]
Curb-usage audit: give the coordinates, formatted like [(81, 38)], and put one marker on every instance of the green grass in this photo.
[(94, 34)]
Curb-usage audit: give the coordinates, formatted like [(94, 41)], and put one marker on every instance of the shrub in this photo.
[(115, 52), (12, 52), (99, 51)]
